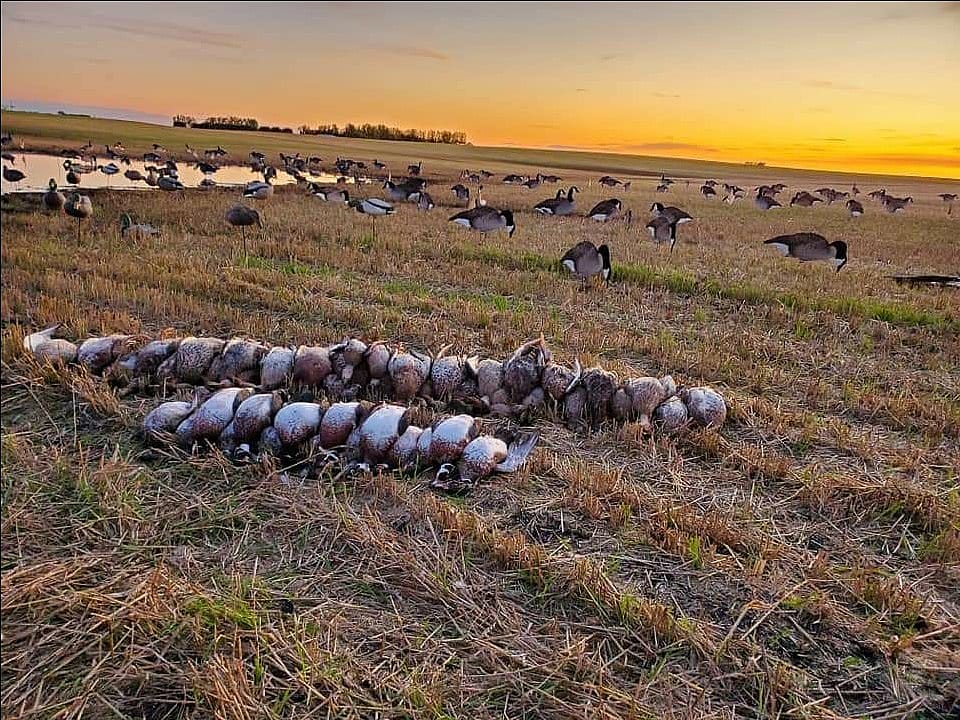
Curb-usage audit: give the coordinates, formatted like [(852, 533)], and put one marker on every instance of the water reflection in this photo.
[(40, 168)]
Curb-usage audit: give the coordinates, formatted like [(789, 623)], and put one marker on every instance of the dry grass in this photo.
[(802, 563)]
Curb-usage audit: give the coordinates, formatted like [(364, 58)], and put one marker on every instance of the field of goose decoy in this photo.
[(349, 456)]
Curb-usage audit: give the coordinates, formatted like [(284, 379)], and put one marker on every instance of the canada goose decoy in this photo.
[(168, 183), (608, 181), (673, 214), (585, 260), (151, 179), (878, 194), (379, 165), (9, 157), (462, 193), (374, 207), (513, 179), (133, 175), (606, 210), (330, 194), (936, 280), (79, 207), (485, 219), (138, 231), (663, 228), (948, 198), (259, 190), (424, 201), (804, 199), (243, 217), (765, 202), (415, 170), (707, 191), (854, 208), (110, 169), (562, 204), (73, 178), (533, 182), (12, 175), (53, 199), (808, 247), (893, 204), (402, 192)]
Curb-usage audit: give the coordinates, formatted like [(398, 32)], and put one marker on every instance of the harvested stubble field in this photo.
[(801, 563)]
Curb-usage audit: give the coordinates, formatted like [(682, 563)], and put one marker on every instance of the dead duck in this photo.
[(522, 370), (705, 406), (483, 456), (606, 210), (485, 219), (46, 348), (670, 416), (585, 260), (80, 207), (560, 205), (53, 199), (808, 247), (408, 372)]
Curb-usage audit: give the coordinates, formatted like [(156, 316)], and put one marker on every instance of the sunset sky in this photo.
[(869, 87)]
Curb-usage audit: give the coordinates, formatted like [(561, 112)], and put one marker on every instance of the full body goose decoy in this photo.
[(424, 201), (374, 207), (79, 207), (243, 217), (663, 228), (854, 208), (259, 190), (893, 204), (585, 260), (12, 175), (608, 181), (948, 198), (933, 280), (606, 210), (133, 175), (804, 199), (415, 170), (169, 183), (485, 219), (765, 202), (807, 247), (708, 191), (330, 194), (462, 193), (137, 231), (53, 199), (673, 214), (562, 204)]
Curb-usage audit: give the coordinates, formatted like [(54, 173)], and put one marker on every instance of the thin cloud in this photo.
[(908, 159), (832, 140), (664, 95), (415, 52), (846, 87), (610, 57), (154, 29), (581, 90), (670, 146)]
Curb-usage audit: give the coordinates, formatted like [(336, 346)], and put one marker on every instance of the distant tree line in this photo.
[(384, 132), (350, 130)]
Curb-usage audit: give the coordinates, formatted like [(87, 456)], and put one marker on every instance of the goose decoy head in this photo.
[(840, 259)]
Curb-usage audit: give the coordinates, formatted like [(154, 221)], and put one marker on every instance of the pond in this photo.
[(40, 168)]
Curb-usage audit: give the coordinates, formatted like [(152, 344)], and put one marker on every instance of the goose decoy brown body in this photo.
[(562, 204), (243, 217), (53, 199), (585, 260), (485, 219), (79, 207), (606, 210), (374, 207), (609, 181), (808, 247), (707, 191), (854, 208)]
